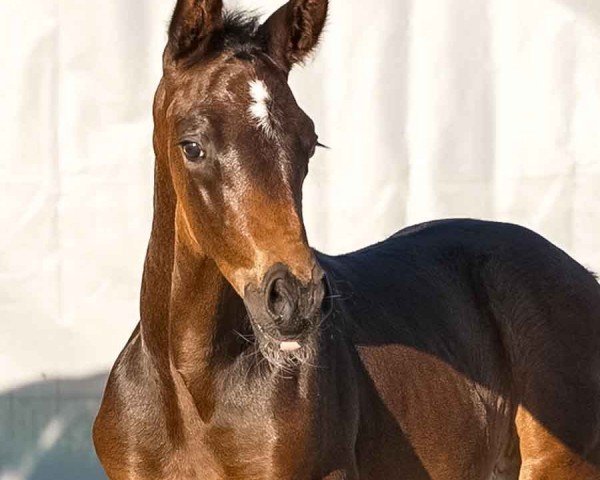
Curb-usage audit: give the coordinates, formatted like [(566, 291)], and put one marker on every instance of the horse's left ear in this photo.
[(293, 31), (193, 24)]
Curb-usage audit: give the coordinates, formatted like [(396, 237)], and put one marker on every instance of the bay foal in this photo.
[(454, 350)]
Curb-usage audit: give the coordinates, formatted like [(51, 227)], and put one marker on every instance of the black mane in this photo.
[(240, 30), (241, 34)]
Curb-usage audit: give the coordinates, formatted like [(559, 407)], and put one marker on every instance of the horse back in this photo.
[(456, 324)]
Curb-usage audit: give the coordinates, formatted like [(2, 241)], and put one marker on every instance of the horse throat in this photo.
[(207, 321)]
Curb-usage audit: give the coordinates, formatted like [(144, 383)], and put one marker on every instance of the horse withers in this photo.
[(454, 350)]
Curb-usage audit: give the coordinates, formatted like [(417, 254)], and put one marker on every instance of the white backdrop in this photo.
[(433, 108)]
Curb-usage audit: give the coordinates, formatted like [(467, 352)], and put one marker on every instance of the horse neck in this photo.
[(158, 270), (189, 312)]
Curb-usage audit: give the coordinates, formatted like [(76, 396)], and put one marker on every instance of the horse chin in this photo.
[(287, 354)]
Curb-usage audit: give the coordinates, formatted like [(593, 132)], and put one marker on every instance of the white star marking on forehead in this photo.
[(259, 108)]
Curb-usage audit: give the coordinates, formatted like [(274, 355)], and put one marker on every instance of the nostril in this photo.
[(276, 298), (280, 300)]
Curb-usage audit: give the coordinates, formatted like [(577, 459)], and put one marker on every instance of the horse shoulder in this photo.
[(130, 432)]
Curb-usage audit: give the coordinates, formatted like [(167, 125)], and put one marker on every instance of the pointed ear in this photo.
[(293, 31), (192, 26)]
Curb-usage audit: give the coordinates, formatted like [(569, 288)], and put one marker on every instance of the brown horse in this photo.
[(454, 350)]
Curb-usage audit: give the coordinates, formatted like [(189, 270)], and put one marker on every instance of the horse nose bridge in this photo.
[(274, 228), (302, 264), (288, 246), (281, 196)]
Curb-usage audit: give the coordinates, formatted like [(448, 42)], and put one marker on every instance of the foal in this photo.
[(453, 350)]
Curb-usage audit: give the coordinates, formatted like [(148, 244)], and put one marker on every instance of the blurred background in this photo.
[(433, 108)]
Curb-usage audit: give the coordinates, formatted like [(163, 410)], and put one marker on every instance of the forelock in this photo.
[(240, 32)]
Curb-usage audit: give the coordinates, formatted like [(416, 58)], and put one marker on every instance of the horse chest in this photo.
[(247, 439), (244, 450)]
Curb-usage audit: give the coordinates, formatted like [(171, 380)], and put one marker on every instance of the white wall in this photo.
[(433, 108)]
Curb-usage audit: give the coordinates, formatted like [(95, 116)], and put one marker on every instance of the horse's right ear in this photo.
[(192, 26)]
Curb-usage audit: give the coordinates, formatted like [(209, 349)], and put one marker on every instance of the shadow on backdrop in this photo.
[(45, 430)]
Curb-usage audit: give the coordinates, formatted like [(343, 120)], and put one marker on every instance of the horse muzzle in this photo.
[(286, 310)]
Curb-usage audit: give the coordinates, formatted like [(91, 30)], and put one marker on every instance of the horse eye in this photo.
[(193, 151)]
